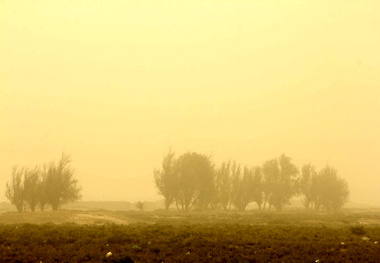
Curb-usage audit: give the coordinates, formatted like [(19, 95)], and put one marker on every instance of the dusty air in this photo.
[(189, 131)]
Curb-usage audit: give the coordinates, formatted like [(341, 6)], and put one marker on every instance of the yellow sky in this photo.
[(116, 83)]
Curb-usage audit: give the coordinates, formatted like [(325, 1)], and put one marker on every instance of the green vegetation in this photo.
[(358, 230)]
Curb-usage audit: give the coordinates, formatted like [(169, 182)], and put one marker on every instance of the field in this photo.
[(214, 236)]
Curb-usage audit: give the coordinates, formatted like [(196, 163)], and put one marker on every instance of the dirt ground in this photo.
[(101, 217), (63, 217), (210, 236)]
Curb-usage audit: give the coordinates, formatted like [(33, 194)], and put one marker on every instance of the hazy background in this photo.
[(115, 84)]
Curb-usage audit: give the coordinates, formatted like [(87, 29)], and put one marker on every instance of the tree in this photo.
[(271, 172), (140, 205), (329, 191), (242, 185), (195, 182), (61, 187), (257, 187), (15, 189), (166, 179), (285, 186), (280, 182), (41, 189), (31, 185), (238, 188), (306, 184), (223, 186)]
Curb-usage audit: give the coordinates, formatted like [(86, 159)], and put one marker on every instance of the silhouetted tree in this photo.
[(15, 189), (257, 194), (140, 205), (238, 188), (223, 186), (329, 191), (242, 185), (280, 183), (195, 181), (285, 187), (42, 199), (306, 184), (61, 187), (271, 173), (191, 180), (166, 179), (31, 185)]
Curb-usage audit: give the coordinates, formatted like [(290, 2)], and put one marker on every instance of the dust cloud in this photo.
[(116, 84)]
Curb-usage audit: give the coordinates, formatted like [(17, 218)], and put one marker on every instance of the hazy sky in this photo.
[(115, 84)]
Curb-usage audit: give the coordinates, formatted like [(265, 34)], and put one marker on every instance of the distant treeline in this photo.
[(193, 181), (52, 185)]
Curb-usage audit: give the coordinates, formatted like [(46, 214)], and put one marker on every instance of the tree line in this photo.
[(52, 185), (193, 180)]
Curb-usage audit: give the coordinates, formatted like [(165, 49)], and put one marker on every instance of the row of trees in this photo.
[(193, 180), (53, 185)]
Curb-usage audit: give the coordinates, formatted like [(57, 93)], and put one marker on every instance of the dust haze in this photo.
[(116, 84)]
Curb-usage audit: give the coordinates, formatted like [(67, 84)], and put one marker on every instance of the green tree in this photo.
[(15, 189), (61, 187)]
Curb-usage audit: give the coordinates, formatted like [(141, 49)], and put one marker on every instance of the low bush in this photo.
[(357, 230)]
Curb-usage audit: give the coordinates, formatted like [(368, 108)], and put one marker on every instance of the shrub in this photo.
[(357, 230)]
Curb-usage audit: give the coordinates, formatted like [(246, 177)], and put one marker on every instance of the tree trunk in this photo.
[(20, 207), (167, 204), (55, 206)]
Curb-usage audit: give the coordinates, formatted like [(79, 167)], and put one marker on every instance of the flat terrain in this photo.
[(213, 236)]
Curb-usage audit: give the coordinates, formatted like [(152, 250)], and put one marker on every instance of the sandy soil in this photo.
[(62, 217)]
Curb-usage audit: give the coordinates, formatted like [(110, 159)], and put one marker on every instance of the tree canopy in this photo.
[(192, 180), (54, 185), (187, 181)]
